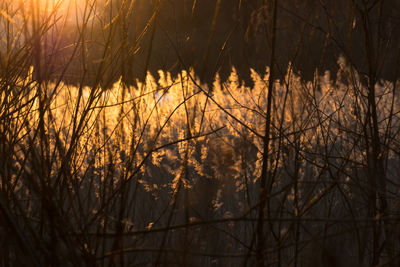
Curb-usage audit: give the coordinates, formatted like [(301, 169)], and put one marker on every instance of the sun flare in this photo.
[(62, 9)]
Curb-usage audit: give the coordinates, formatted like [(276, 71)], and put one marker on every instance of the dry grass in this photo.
[(166, 170)]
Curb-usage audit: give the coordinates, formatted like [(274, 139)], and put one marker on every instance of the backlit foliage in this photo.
[(118, 164)]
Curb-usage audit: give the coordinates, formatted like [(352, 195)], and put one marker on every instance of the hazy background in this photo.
[(213, 36)]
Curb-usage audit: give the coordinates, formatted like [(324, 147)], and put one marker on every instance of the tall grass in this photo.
[(104, 169)]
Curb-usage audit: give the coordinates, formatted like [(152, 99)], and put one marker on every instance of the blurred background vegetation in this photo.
[(213, 36)]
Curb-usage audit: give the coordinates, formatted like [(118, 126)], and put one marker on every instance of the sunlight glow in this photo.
[(63, 10), (50, 5)]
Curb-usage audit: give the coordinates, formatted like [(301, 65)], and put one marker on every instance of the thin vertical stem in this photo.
[(265, 187)]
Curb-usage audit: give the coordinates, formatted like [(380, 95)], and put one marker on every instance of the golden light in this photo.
[(49, 6), (63, 10)]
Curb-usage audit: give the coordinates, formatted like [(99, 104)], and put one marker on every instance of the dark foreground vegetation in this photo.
[(106, 161)]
